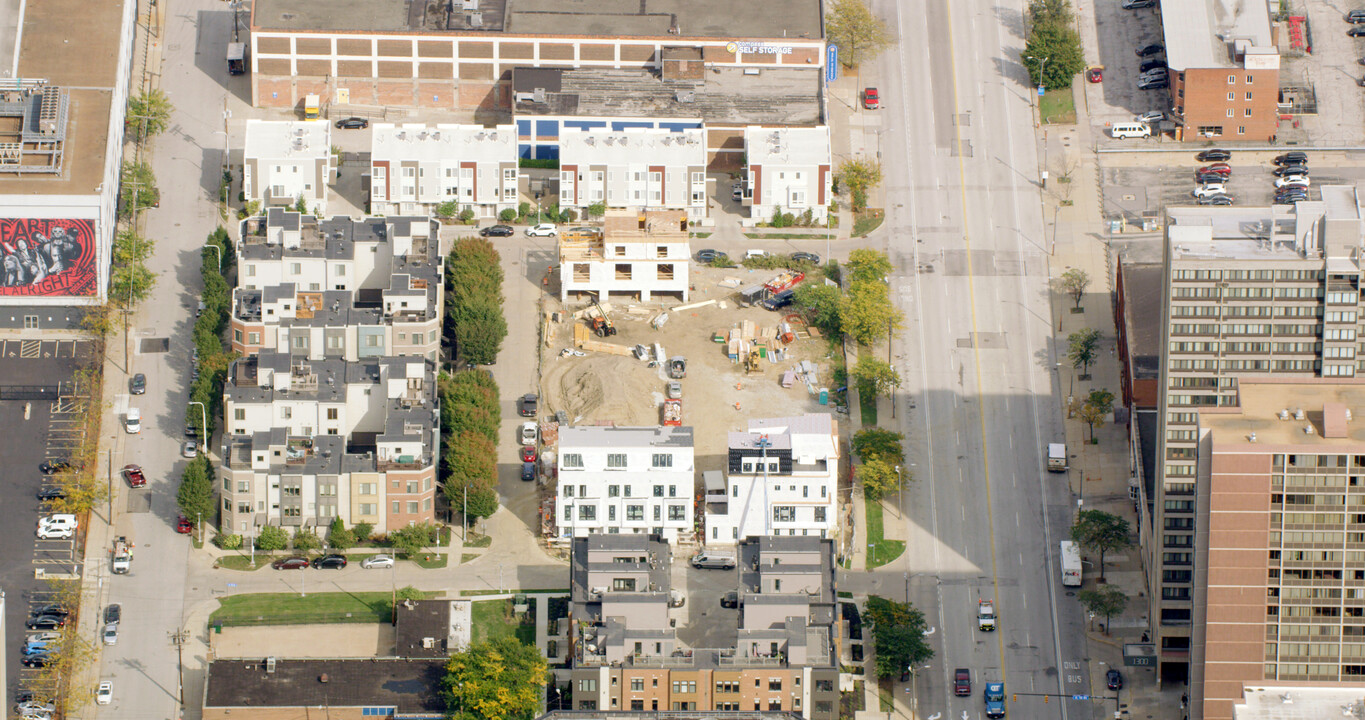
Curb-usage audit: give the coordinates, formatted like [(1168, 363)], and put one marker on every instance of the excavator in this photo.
[(601, 324), (752, 361)]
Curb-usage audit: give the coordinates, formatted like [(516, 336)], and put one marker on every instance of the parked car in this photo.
[(133, 475), (112, 614), (1290, 170), (1154, 84), (1208, 189), (1151, 116), (1150, 65), (1356, 31), (1292, 158), (1217, 168), (55, 533), (962, 682), (730, 599), (52, 467), (753, 254), (1156, 73), (1138, 4), (529, 433), (1152, 49), (709, 255), (497, 231), (1113, 679), (528, 471), (1094, 74), (1214, 155), (780, 300), (110, 634), (1208, 178), (35, 706), (138, 384), (542, 230), (51, 493), (712, 561), (377, 561), (104, 694), (49, 609), (353, 123), (45, 622), (290, 563), (37, 661), (528, 453), (330, 562), (1291, 195), (1300, 180), (806, 257), (35, 648), (1215, 200), (183, 525), (872, 100), (189, 449), (674, 389), (526, 405)]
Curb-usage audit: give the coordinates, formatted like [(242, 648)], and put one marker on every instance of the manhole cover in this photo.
[(154, 345)]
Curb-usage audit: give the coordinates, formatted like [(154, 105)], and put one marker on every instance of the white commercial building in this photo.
[(781, 479), (625, 480), (789, 170), (635, 169), (637, 256), (285, 160), (415, 167)]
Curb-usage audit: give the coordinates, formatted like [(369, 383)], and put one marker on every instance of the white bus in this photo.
[(1071, 564)]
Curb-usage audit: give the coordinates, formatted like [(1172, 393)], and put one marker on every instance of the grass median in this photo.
[(882, 551)]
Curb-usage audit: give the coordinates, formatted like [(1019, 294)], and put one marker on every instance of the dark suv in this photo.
[(526, 406), (962, 682), (334, 562)]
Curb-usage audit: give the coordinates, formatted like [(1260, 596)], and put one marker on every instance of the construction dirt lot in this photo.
[(718, 396)]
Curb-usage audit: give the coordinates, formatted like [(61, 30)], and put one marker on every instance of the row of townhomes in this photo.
[(330, 411), (416, 167), (781, 480)]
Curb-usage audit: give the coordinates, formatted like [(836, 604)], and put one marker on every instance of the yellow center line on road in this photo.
[(975, 349)]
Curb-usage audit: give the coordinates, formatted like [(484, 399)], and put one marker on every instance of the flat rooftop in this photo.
[(787, 146), (673, 19), (628, 146), (1282, 702), (1200, 33), (470, 143), (661, 436), (75, 46), (725, 96), (275, 139), (410, 685), (1327, 405), (1276, 232)]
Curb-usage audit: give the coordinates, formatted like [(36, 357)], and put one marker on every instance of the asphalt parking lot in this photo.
[(32, 431), (702, 622), (1332, 69), (1120, 33)]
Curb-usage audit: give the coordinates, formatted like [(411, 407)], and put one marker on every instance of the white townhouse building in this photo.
[(789, 168), (415, 167), (637, 256), (625, 480), (635, 169), (283, 160), (781, 479)]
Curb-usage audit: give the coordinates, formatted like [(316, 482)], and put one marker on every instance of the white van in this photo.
[(133, 422), (1130, 130)]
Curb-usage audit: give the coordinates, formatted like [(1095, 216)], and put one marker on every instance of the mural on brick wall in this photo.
[(45, 257)]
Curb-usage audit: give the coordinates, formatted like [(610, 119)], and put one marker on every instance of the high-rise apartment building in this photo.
[(1249, 292)]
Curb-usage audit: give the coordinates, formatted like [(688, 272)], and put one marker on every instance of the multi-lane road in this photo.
[(966, 238)]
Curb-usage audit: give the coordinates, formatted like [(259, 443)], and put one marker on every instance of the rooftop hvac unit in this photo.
[(476, 19), (468, 5), (590, 141), (270, 664), (428, 642), (685, 96)]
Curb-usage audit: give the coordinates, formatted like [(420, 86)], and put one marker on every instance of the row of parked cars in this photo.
[(333, 561)]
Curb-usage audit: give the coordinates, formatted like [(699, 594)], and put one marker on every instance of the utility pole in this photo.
[(178, 639)]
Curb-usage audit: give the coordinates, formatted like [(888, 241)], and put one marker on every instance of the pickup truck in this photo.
[(962, 682), (122, 556), (985, 616)]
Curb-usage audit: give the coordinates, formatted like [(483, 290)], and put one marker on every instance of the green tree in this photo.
[(859, 34), (1107, 601), (822, 305), (878, 478), (195, 496), (480, 329), (338, 536), (1101, 532), (272, 538), (471, 461), (868, 313), (1083, 346), (1074, 283), (300, 205), (363, 531), (149, 113), (410, 539), (875, 376), (508, 215), (305, 539), (898, 634), (1060, 45), (483, 502), (873, 442), (868, 265), (447, 209), (859, 175), (137, 187), (596, 210), (501, 679), (83, 491), (467, 215), (1098, 404)]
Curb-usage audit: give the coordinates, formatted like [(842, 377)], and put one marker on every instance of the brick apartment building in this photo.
[(1224, 70)]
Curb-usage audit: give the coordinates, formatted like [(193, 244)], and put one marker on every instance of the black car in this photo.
[(1149, 50), (1214, 156), (113, 614), (528, 471), (779, 301), (52, 467), (1356, 31), (730, 599), (806, 257), (45, 622), (51, 493), (353, 123), (1114, 679), (1209, 178), (497, 231), (1151, 65), (37, 661), (1290, 170), (50, 609), (1215, 200), (334, 562), (138, 385), (526, 405), (710, 255), (1290, 199), (290, 563), (1138, 4), (1292, 158)]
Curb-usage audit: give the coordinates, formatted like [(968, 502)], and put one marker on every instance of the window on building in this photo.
[(571, 460), (658, 491), (625, 585), (587, 512), (367, 489), (820, 514), (784, 513), (677, 512), (568, 490), (1232, 79), (1241, 129), (635, 513), (1229, 112), (616, 460), (1232, 96), (613, 491)]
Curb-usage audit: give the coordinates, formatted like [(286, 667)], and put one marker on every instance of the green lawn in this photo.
[(493, 619), (867, 403), (466, 557), (882, 551), (479, 541), (431, 561), (291, 609), (243, 562), (867, 221), (1057, 107), (788, 236)]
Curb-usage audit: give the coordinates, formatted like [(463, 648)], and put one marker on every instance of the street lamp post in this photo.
[(900, 492), (1041, 64), (204, 428), (219, 252)]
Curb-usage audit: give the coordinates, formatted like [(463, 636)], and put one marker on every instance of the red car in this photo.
[(133, 474), (962, 682), (183, 525), (1217, 168), (1094, 74), (290, 563), (528, 453), (871, 100)]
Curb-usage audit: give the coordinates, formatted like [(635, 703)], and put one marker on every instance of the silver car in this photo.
[(377, 561), (111, 634)]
